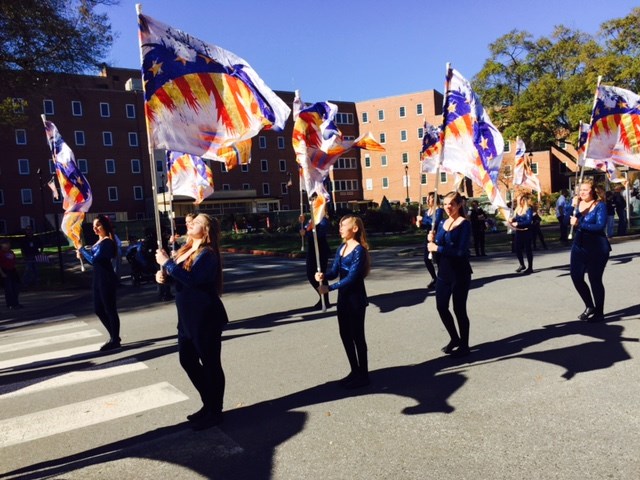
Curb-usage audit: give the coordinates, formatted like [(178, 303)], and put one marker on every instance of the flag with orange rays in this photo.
[(189, 175), (615, 127), (71, 225), (606, 165), (472, 145), (200, 98), (523, 175), (318, 143)]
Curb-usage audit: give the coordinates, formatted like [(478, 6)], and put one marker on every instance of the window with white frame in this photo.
[(23, 166), (262, 142), (281, 143), (223, 167), (385, 182), (403, 112), (133, 139), (283, 188), (226, 187), (283, 165), (383, 160), (264, 165), (380, 115), (423, 178), (365, 117), (419, 109), (443, 177), (367, 161), (110, 166), (26, 196), (403, 135), (507, 146), (244, 168), (346, 185), (76, 108), (383, 138), (534, 168), (265, 189), (112, 194), (138, 193), (344, 118), (130, 110), (346, 164), (47, 107), (368, 183), (26, 221), (79, 137), (105, 111), (107, 139), (83, 165), (405, 157), (21, 136), (246, 186), (136, 166), (420, 132)]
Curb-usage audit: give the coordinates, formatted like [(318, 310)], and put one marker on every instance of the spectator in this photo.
[(31, 246), (9, 275), (621, 210), (561, 204)]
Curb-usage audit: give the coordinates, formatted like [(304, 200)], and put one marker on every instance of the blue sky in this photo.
[(356, 50)]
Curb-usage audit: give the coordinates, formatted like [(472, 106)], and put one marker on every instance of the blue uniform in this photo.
[(427, 224), (523, 237)]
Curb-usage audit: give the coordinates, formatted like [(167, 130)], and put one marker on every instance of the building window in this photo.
[(368, 183), (262, 142), (112, 193), (76, 108), (365, 117), (47, 107), (21, 136), (26, 196), (403, 135), (130, 109), (226, 187), (283, 165), (1, 197), (346, 185), (244, 168), (139, 215), (83, 165), (381, 115), (246, 186), (107, 139), (264, 165), (420, 132), (265, 189), (346, 164), (383, 138), (79, 137), (223, 167), (110, 165), (18, 105), (507, 146), (133, 139), (534, 168), (423, 179), (367, 161), (283, 188), (23, 166), (562, 144), (138, 193), (344, 118), (385, 182), (136, 167), (383, 160), (443, 177), (419, 109), (405, 157), (403, 112), (105, 111), (281, 143)]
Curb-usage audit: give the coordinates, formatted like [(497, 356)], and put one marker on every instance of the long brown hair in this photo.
[(360, 237), (211, 241)]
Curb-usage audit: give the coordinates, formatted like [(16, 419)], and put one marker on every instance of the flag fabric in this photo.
[(615, 127), (523, 176), (431, 148), (472, 145), (607, 166), (318, 143), (189, 175), (71, 225), (200, 98), (54, 190)]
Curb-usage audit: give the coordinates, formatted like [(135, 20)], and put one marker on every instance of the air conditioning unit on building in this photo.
[(133, 84)]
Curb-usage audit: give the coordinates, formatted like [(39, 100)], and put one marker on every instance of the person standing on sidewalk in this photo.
[(105, 282), (352, 265), (522, 223), (31, 246), (197, 271), (477, 217), (561, 204), (9, 274), (451, 242)]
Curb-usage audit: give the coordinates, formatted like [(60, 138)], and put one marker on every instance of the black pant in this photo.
[(430, 264), (563, 229), (523, 242), (351, 326), (537, 234), (104, 303), (478, 241), (459, 290), (201, 360), (593, 264)]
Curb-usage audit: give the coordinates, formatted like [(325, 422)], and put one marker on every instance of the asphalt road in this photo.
[(542, 395)]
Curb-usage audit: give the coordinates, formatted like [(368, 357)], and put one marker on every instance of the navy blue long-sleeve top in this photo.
[(590, 231), (453, 250), (100, 257), (524, 220), (351, 269), (427, 220)]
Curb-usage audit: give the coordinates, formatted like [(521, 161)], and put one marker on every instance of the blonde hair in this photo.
[(360, 237), (458, 200)]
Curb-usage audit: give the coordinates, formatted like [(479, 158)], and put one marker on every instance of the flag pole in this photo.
[(301, 208), (154, 180), (170, 214), (437, 182), (317, 250), (586, 149)]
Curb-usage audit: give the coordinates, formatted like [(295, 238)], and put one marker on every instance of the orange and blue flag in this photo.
[(189, 175), (523, 175), (604, 165), (200, 98)]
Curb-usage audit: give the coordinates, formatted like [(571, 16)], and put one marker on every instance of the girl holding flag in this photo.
[(522, 223), (426, 223)]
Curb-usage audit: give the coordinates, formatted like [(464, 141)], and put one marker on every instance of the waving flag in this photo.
[(318, 144), (76, 192), (472, 145), (615, 127), (431, 148), (202, 99), (189, 175), (522, 173), (606, 166)]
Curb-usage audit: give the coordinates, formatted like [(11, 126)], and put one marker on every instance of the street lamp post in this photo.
[(406, 181)]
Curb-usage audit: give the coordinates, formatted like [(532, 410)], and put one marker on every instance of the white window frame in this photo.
[(130, 110), (534, 168), (368, 182), (262, 142), (443, 177), (107, 163), (420, 133), (405, 158), (105, 110), (384, 161), (383, 138), (83, 165), (138, 192), (283, 165), (365, 117), (266, 190), (381, 115), (48, 107), (79, 137), (244, 168), (21, 132), (264, 165), (283, 188), (136, 166), (78, 104), (246, 186), (112, 194), (419, 109), (385, 183), (402, 111), (226, 187), (23, 166), (133, 139), (24, 192), (367, 161), (108, 135), (403, 135), (281, 143)]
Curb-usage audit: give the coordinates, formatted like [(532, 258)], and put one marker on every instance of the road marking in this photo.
[(67, 379), (91, 412), (40, 330), (10, 325), (50, 357), (51, 340)]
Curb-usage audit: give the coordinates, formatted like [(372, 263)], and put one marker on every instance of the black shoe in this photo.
[(461, 351), (344, 381), (110, 345), (359, 381), (528, 271), (588, 313), (431, 285), (194, 417), (596, 317), (520, 269), (207, 420), (449, 347)]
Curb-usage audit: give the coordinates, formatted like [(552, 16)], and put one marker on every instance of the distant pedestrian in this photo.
[(611, 212), (352, 265), (478, 218), (536, 230), (30, 249), (9, 274), (561, 204), (621, 210), (105, 283)]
